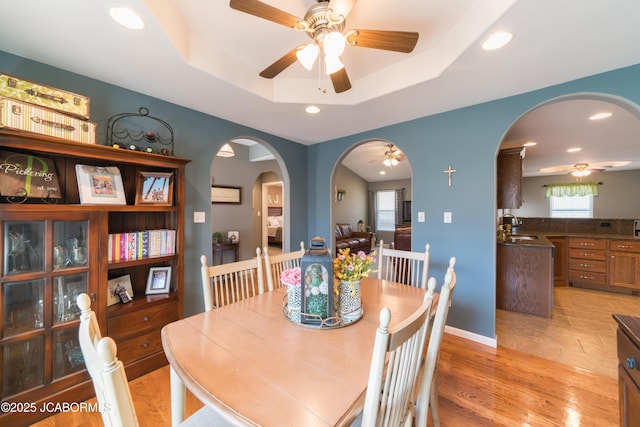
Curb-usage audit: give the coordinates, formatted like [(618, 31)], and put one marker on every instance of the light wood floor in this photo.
[(479, 386), (581, 331)]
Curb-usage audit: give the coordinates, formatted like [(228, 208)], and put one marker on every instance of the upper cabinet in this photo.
[(510, 178)]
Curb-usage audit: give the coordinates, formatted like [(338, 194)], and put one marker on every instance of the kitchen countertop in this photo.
[(542, 240)]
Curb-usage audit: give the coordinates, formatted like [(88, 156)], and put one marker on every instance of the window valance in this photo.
[(572, 189)]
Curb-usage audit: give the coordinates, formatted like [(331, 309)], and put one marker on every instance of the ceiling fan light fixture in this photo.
[(332, 64), (333, 44), (307, 55), (226, 151), (581, 170)]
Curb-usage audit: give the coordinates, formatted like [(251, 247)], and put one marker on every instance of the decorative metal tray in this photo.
[(333, 322)]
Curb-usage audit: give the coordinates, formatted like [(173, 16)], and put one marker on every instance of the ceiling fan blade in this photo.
[(341, 7), (397, 41), (263, 10), (340, 80), (280, 65)]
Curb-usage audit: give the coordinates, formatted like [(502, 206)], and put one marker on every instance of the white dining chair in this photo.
[(274, 265), (110, 379), (395, 368), (407, 267), (228, 283), (428, 391)]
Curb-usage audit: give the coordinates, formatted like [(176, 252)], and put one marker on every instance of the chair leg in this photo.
[(433, 400)]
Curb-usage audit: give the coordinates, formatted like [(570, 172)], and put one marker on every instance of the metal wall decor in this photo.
[(140, 132)]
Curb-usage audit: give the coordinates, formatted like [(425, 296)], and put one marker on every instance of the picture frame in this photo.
[(100, 185), (159, 280), (233, 236), (116, 293), (224, 194), (154, 188)]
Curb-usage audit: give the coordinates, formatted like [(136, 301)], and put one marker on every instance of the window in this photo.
[(386, 210), (571, 206)]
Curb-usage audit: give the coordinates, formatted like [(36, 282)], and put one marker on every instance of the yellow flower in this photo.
[(348, 267)]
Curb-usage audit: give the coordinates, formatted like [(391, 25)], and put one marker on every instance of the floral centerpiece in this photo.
[(349, 269)]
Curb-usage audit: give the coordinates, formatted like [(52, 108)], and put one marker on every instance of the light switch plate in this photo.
[(198, 217), (420, 216), (447, 217)]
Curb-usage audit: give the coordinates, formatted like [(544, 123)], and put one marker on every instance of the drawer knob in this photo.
[(145, 318), (145, 345), (631, 362)]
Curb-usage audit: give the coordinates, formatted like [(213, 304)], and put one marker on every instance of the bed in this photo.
[(274, 225)]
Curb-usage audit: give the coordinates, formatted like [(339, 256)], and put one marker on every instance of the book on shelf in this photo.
[(141, 244)]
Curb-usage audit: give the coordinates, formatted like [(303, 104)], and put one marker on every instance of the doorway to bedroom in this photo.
[(273, 221)]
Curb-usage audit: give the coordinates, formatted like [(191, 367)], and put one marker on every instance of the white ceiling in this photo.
[(203, 55)]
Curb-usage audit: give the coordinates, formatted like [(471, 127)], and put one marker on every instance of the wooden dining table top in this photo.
[(248, 361)]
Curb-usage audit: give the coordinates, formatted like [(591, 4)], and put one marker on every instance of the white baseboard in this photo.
[(491, 342)]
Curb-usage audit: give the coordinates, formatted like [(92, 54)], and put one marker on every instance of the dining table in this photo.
[(253, 366)]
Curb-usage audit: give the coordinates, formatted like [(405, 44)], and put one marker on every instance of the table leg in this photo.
[(178, 398)]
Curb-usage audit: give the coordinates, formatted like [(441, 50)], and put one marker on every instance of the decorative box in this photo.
[(22, 116), (44, 96)]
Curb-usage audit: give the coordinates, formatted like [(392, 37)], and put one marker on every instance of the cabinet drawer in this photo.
[(587, 277), (624, 245), (599, 244), (629, 356), (139, 347), (588, 265), (146, 320), (587, 254)]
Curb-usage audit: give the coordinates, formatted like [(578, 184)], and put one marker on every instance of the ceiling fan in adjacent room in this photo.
[(584, 169), (392, 156), (324, 22)]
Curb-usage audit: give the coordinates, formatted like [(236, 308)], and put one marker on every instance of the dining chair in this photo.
[(228, 283), (408, 267), (274, 265), (110, 379), (428, 391), (395, 367)]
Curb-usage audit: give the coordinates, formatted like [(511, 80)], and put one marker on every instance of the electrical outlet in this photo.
[(447, 217), (420, 216)]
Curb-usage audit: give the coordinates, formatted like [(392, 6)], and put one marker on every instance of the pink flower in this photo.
[(291, 277)]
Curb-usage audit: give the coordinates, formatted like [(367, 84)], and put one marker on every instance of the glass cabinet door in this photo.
[(22, 365), (23, 306), (70, 244), (65, 291), (23, 247)]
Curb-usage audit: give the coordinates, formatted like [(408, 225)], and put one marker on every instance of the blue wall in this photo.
[(467, 139)]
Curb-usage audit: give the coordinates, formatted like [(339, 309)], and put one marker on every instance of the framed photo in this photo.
[(225, 194), (159, 281), (120, 290), (233, 236), (155, 188), (99, 185)]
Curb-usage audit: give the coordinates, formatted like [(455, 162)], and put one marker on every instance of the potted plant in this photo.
[(216, 237)]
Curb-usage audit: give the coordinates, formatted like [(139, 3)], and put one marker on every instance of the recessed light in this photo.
[(529, 144), (497, 40), (574, 150), (126, 17), (383, 173), (312, 109), (600, 116)]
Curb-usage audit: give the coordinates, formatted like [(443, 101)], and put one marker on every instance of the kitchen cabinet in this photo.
[(587, 262), (624, 264), (628, 340), (510, 178), (559, 260), (54, 251), (524, 279)]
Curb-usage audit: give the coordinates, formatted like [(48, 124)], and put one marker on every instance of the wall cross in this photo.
[(450, 171)]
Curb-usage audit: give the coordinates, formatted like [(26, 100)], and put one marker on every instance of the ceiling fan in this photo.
[(584, 169), (324, 23), (392, 156)]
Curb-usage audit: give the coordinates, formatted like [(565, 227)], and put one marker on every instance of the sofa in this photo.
[(355, 240), (402, 238)]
